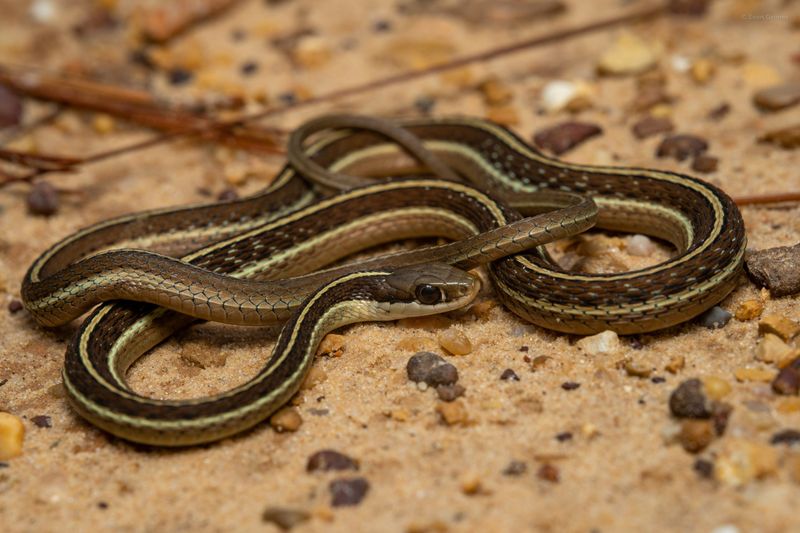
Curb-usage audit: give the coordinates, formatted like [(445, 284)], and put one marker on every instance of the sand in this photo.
[(617, 471)]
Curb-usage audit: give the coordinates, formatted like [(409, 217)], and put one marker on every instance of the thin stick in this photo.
[(778, 198)]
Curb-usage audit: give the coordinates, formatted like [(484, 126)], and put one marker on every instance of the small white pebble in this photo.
[(602, 343), (640, 245), (680, 63), (727, 528), (557, 94), (43, 10)]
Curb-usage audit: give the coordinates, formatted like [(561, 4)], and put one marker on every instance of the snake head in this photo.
[(430, 288)]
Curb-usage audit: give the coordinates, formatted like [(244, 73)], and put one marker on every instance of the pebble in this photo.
[(570, 385), (449, 393), (332, 345), (424, 104), (778, 97), (637, 368), (10, 108), (286, 419), (482, 310), (705, 163), (248, 68), (103, 123), (515, 468), (627, 55), (787, 382), (14, 306), (776, 269), (495, 92), (560, 94), (675, 364), (753, 374), (720, 112), (715, 387), (565, 136), (539, 362), (681, 147), (228, 194), (771, 349), (202, 358), (741, 461), (749, 309), (509, 375), (179, 76), (549, 473), (505, 115), (471, 483), (702, 71), (42, 421), (315, 376), (781, 326), (715, 318), (789, 437), (689, 400), (12, 434), (455, 342), (42, 199), (787, 138), (649, 126), (312, 52), (564, 436), (325, 460), (348, 491), (759, 75), (453, 413), (430, 368), (283, 517), (704, 468), (605, 342), (696, 435), (640, 245)]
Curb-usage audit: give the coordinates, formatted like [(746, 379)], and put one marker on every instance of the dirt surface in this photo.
[(599, 457)]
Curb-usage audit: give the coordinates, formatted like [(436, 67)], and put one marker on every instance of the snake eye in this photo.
[(428, 294)]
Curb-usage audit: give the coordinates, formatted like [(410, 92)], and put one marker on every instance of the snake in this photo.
[(228, 261)]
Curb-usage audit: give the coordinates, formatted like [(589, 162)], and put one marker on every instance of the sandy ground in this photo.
[(617, 472)]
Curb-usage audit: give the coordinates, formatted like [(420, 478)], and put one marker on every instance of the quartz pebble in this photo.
[(640, 246), (348, 491), (675, 364), (681, 147), (286, 419), (753, 374), (495, 92), (332, 345), (742, 461), (284, 518), (636, 368), (702, 71), (12, 434), (560, 94), (431, 368), (627, 55), (778, 97), (715, 318), (455, 342), (325, 460), (715, 387), (566, 135), (471, 483), (605, 342), (781, 326), (749, 309), (771, 349), (453, 413)]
